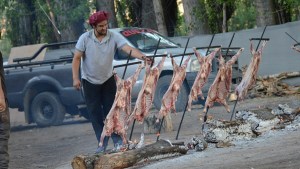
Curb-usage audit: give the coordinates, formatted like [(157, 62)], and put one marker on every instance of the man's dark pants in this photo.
[(99, 100)]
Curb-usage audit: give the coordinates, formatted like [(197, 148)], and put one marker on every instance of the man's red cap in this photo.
[(98, 17)]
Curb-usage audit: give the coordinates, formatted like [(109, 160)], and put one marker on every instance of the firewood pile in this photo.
[(274, 85)]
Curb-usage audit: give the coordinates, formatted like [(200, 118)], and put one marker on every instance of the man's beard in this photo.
[(102, 33)]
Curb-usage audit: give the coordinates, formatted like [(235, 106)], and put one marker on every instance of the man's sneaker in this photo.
[(100, 150)]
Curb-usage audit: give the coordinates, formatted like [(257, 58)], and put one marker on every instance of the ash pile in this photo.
[(248, 124)]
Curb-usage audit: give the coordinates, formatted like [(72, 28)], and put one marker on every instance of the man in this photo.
[(4, 121), (96, 49)]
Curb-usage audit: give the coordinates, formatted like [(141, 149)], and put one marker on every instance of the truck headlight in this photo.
[(195, 65)]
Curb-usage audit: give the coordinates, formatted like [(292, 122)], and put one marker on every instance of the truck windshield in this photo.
[(146, 40)]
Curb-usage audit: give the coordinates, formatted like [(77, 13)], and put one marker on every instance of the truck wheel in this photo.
[(47, 109), (161, 88)]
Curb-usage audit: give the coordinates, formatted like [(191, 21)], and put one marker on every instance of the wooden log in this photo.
[(84, 161), (127, 158)]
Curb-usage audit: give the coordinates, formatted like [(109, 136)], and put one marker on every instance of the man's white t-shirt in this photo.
[(97, 61)]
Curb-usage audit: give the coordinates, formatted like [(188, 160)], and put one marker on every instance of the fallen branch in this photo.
[(127, 158), (273, 85)]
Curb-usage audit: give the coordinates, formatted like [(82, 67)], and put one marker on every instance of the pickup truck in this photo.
[(43, 89)]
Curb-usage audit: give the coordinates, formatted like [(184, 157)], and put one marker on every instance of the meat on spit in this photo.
[(117, 117), (202, 76), (218, 91), (146, 95), (170, 97), (249, 77)]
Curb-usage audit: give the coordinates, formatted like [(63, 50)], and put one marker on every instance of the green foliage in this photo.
[(244, 17), (5, 46), (122, 8), (211, 13), (181, 28), (66, 13), (292, 7), (127, 14)]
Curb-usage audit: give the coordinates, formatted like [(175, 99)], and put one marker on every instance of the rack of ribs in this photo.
[(117, 117), (218, 91), (146, 95), (249, 78), (170, 97), (202, 76)]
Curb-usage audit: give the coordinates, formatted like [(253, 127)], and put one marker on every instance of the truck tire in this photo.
[(161, 88), (47, 109)]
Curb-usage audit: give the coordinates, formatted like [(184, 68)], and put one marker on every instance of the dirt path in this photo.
[(54, 147)]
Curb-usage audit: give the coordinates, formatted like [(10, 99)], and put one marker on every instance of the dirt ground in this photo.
[(54, 147)]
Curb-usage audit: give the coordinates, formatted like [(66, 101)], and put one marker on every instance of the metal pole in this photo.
[(184, 50), (212, 38), (232, 113), (230, 44), (204, 119), (126, 65), (291, 37), (261, 38), (132, 129), (181, 120)]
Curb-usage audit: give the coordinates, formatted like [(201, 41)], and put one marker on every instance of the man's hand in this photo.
[(76, 84), (2, 104), (148, 60)]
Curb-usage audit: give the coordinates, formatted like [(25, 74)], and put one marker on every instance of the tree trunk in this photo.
[(170, 9), (135, 9), (22, 29), (54, 25), (194, 24), (109, 6), (71, 29), (127, 158), (265, 15), (224, 25), (148, 15), (159, 15)]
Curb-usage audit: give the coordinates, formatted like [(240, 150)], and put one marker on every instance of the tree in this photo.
[(71, 16), (265, 15), (244, 16), (21, 20), (171, 15), (193, 10), (109, 6), (159, 17)]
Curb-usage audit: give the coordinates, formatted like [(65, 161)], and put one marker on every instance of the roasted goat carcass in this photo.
[(249, 78), (146, 95), (218, 91), (117, 117), (170, 97), (202, 76)]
